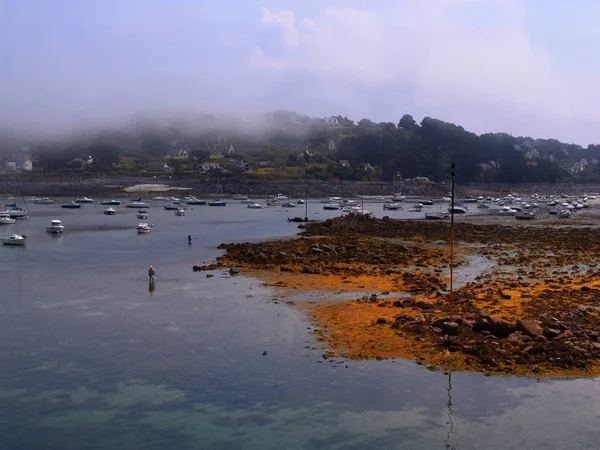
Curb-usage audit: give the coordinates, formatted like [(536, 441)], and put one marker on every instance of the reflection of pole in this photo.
[(449, 405), (452, 233)]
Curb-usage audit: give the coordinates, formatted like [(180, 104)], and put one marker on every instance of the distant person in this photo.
[(189, 239), (151, 273)]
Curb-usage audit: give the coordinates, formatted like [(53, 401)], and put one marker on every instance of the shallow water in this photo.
[(91, 359)]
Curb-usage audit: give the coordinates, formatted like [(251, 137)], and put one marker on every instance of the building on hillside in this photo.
[(332, 122), (238, 164), (331, 145), (11, 166), (210, 166), (264, 164)]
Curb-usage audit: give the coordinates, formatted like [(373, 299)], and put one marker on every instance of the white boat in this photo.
[(137, 204), (180, 212), (483, 206), (436, 215), (144, 228), (564, 214), (392, 206), (247, 201), (32, 199), (217, 203), (352, 209), (506, 211), (332, 207), (288, 205), (13, 239), (5, 219), (110, 202), (55, 226), (84, 200), (332, 200), (280, 197), (240, 197), (161, 199), (173, 206), (273, 202), (15, 212), (142, 214), (44, 201), (254, 206), (191, 200), (301, 202), (398, 197), (110, 211)]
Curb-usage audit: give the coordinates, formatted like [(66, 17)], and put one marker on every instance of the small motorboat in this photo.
[(564, 214), (15, 212), (301, 202), (254, 206), (524, 215), (280, 197), (110, 211), (144, 228), (44, 201), (437, 216), (457, 209), (110, 202), (288, 205), (427, 202), (55, 226), (174, 206), (217, 203), (137, 204), (483, 206), (332, 207), (240, 197), (180, 212), (191, 200), (5, 219), (273, 202), (392, 206), (84, 200), (142, 214), (71, 205), (13, 239), (32, 199)]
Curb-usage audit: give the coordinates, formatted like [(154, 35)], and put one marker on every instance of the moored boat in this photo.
[(144, 228), (437, 216), (5, 219), (110, 211), (240, 197), (137, 204), (254, 206), (110, 202), (332, 206), (71, 205), (524, 215), (142, 214), (392, 206), (13, 239), (217, 203), (180, 212), (84, 200), (288, 205), (55, 226), (457, 209), (44, 201)]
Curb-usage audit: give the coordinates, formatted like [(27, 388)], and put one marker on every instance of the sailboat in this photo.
[(219, 202), (15, 238)]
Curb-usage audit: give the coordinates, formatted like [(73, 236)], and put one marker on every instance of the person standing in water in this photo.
[(189, 239), (151, 273)]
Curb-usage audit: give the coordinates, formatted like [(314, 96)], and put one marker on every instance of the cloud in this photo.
[(457, 58), (286, 21)]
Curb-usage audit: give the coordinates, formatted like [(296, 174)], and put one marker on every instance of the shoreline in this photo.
[(378, 289), (57, 185)]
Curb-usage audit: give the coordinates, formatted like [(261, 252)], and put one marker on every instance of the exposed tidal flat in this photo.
[(91, 359)]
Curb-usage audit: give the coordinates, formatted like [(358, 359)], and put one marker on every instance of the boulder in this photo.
[(450, 328), (529, 327), (501, 328)]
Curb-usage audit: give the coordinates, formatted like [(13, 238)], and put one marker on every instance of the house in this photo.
[(345, 164), (331, 145), (210, 166), (11, 166), (27, 165), (238, 164), (264, 164), (332, 122)]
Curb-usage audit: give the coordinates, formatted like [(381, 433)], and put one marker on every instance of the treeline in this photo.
[(333, 148)]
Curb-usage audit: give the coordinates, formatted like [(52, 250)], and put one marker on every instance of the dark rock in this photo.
[(234, 271), (450, 328), (565, 334), (381, 321), (501, 328), (529, 327), (551, 333), (423, 305)]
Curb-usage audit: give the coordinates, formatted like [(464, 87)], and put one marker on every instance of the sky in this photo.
[(526, 67)]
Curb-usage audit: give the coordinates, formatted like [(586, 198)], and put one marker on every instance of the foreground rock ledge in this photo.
[(535, 312)]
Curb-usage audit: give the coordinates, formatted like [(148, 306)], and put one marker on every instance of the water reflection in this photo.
[(450, 423)]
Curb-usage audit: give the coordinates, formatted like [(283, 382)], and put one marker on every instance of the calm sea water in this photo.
[(90, 359)]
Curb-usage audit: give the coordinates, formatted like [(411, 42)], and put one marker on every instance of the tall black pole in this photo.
[(452, 175), (306, 203)]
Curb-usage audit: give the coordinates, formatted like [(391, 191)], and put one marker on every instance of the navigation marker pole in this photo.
[(452, 234)]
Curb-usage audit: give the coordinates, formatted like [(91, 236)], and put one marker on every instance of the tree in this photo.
[(407, 123)]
